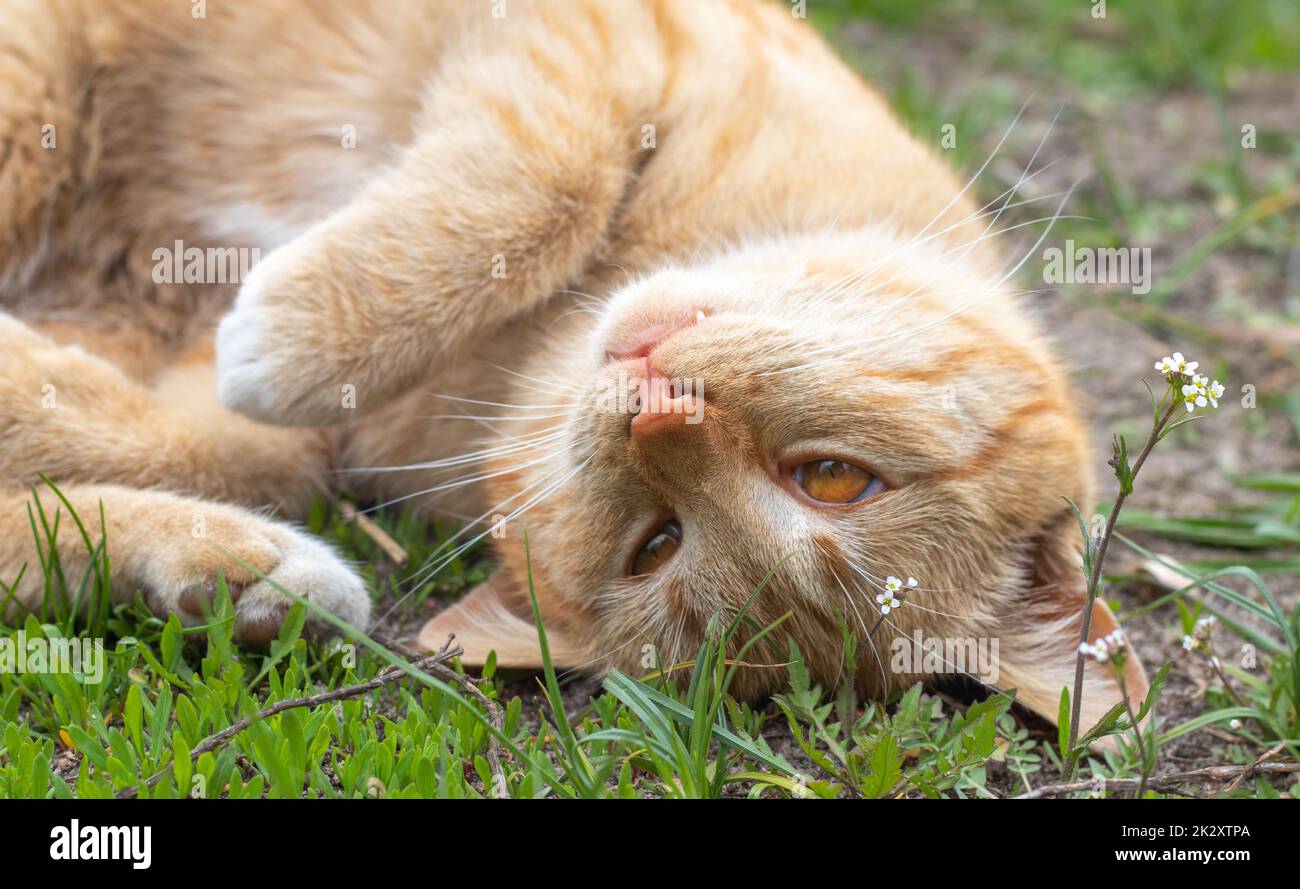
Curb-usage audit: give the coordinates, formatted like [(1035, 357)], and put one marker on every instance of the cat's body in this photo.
[(488, 209)]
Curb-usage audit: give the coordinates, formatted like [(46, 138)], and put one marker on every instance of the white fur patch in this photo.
[(312, 569), (246, 368)]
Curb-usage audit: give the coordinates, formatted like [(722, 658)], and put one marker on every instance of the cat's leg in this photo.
[(506, 192), (101, 437), (78, 418), (46, 125), (169, 549)]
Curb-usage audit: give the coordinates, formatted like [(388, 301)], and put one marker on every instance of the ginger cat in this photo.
[(698, 307)]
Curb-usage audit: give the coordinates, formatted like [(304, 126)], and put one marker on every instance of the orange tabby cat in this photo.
[(684, 301)]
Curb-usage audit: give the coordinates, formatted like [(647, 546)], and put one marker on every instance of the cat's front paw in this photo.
[(307, 568), (259, 560), (278, 352)]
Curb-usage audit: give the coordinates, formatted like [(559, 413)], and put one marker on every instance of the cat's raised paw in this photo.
[(274, 347)]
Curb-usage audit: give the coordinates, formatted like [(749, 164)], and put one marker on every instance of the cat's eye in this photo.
[(658, 549), (835, 481)]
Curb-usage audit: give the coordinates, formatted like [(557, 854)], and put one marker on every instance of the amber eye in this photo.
[(658, 549), (834, 481)]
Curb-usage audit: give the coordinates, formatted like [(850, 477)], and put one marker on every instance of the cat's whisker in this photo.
[(460, 483), (493, 418), (576, 310), (436, 564), (556, 385), (833, 292), (552, 433), (847, 286), (866, 631), (433, 568), (946, 316), (1006, 134), (996, 215), (522, 407), (878, 581), (996, 286), (917, 236), (947, 663), (1005, 197)]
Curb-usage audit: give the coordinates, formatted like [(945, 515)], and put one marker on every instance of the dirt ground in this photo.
[(1155, 143)]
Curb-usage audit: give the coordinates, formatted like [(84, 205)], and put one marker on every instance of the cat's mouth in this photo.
[(642, 341)]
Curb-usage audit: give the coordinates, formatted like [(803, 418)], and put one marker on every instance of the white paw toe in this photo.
[(311, 569)]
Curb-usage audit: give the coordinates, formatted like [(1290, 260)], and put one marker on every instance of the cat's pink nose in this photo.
[(661, 406)]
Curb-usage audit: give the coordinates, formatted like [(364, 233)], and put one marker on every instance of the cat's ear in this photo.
[(1040, 639), (488, 619)]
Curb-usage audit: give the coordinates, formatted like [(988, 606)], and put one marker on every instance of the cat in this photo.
[(655, 294)]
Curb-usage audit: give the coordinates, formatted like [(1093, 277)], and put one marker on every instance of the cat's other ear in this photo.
[(1040, 638), (491, 618)]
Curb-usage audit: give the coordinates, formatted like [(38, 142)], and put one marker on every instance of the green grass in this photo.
[(166, 689)]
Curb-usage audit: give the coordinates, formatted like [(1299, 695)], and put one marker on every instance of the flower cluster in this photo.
[(1107, 649), (1197, 390), (894, 594), (1200, 635)]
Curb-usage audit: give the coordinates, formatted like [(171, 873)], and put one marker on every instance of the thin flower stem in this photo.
[(1094, 581), (1223, 677), (1137, 733)]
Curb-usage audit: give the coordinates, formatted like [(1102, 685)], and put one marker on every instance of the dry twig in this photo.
[(1170, 781), (391, 547)]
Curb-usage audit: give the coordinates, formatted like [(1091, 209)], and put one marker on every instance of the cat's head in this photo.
[(812, 416)]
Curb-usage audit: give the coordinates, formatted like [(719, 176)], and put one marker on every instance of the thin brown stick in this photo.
[(391, 547), (1268, 754), (1169, 781), (220, 739)]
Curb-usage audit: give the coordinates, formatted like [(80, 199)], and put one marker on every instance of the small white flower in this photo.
[(1234, 724), (1214, 392), (1107, 648), (895, 592), (1194, 393), (1175, 364), (1188, 643), (1097, 651)]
